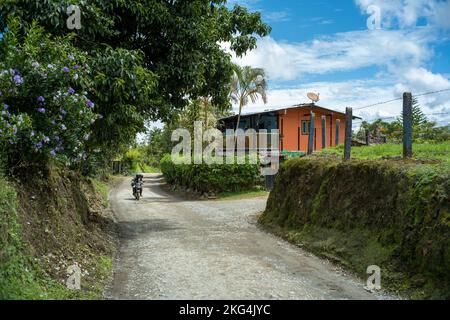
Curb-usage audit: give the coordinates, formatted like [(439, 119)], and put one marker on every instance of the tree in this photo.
[(180, 40), (419, 118), (247, 84), (171, 48), (45, 110)]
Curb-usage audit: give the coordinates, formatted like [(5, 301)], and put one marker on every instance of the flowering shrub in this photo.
[(45, 111)]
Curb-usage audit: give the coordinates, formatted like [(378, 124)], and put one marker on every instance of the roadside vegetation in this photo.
[(369, 212), (439, 151), (211, 179), (32, 264)]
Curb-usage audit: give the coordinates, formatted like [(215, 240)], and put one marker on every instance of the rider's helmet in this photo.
[(139, 176)]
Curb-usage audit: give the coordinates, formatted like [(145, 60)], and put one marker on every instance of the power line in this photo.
[(431, 92), (401, 98), (379, 103), (393, 117)]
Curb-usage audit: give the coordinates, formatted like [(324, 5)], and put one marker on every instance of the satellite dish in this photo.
[(313, 97)]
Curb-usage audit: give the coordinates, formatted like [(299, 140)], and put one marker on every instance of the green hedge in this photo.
[(361, 213), (211, 178)]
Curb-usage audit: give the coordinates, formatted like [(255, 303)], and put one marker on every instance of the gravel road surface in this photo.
[(173, 248)]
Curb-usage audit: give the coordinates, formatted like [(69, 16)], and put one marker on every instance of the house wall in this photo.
[(290, 121)]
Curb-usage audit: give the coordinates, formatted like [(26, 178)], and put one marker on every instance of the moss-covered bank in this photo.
[(50, 220), (361, 213)]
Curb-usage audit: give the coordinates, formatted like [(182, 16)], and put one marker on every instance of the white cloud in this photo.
[(341, 52), (406, 13), (356, 94), (277, 16)]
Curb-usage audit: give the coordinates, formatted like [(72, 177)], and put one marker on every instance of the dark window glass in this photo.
[(306, 124)]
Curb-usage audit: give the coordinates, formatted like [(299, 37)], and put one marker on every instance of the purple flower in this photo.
[(39, 145), (71, 91), (75, 76), (5, 106), (63, 127), (57, 138), (46, 139), (41, 99), (41, 110), (53, 153), (63, 112), (18, 79), (71, 57), (65, 69), (76, 67), (90, 104)]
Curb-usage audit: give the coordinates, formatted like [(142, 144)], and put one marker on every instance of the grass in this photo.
[(102, 187), (249, 194), (143, 168), (436, 151)]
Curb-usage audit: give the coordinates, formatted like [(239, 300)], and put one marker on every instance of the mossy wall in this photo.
[(362, 213)]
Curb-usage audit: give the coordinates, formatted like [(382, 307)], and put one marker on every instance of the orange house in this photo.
[(293, 124)]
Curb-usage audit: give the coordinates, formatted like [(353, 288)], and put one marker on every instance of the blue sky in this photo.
[(327, 47)]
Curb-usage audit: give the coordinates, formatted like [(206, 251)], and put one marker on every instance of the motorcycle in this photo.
[(137, 190)]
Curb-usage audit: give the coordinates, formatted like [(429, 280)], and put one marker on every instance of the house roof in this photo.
[(304, 105)]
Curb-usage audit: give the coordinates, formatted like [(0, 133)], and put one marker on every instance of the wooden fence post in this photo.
[(367, 137), (348, 133), (311, 133), (338, 132), (407, 125), (324, 132)]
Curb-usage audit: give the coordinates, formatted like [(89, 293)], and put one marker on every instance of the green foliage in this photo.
[(45, 111), (138, 160), (247, 85), (211, 178), (159, 143), (181, 40), (123, 91), (363, 213)]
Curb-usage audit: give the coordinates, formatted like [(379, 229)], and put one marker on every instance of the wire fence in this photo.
[(407, 119), (360, 121)]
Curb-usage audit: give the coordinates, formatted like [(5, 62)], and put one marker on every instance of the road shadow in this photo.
[(132, 229)]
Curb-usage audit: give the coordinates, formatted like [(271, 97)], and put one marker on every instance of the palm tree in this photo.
[(247, 84)]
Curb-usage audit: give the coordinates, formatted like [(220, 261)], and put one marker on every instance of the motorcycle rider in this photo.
[(137, 182)]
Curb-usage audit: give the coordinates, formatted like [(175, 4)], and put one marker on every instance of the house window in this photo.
[(306, 125)]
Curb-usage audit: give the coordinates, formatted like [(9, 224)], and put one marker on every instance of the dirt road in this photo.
[(177, 249)]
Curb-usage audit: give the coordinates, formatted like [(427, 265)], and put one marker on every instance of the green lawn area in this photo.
[(255, 193), (437, 151), (143, 168)]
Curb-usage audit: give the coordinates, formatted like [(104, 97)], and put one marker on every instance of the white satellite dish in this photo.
[(313, 97)]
